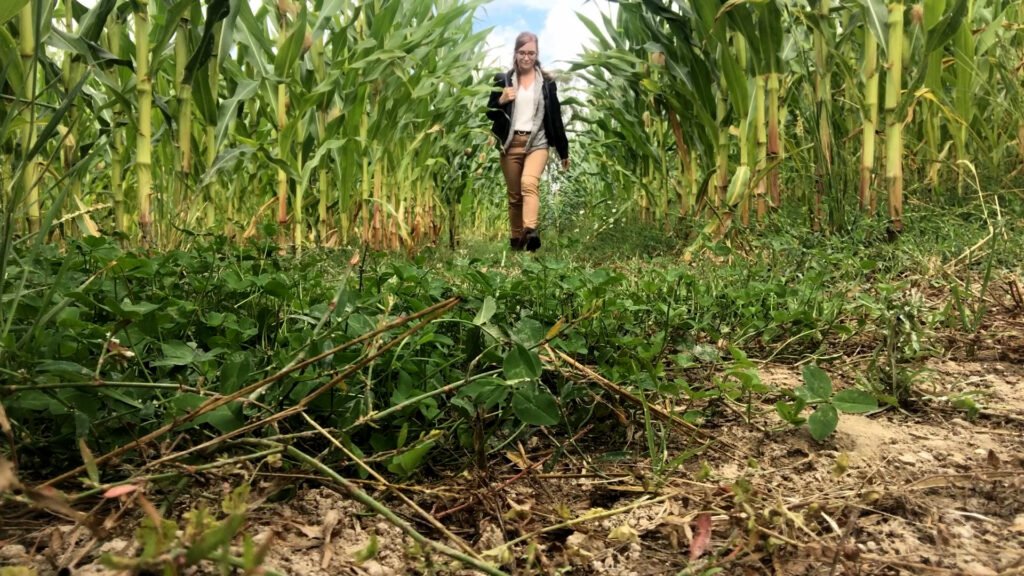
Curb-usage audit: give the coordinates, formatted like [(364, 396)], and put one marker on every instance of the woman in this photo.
[(527, 119)]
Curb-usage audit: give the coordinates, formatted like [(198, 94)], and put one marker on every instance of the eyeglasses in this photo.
[(524, 54)]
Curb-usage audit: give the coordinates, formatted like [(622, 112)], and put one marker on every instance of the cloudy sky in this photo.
[(561, 33)]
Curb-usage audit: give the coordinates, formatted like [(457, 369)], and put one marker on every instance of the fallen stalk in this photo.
[(585, 518), (188, 471), (215, 403), (366, 500), (302, 404), (475, 497), (624, 394), (408, 502)]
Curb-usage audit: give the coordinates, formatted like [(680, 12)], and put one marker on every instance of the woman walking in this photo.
[(527, 119)]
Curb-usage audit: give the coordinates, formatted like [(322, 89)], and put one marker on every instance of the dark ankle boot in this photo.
[(531, 239), (516, 244)]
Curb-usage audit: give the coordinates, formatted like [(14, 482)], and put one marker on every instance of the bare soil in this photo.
[(894, 492)]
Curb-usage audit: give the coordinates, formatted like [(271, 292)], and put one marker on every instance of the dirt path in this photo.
[(888, 493)]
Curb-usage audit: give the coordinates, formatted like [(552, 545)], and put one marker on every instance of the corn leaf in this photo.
[(876, 16), (10, 8)]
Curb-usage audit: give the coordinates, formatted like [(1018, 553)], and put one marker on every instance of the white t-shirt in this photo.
[(526, 106)]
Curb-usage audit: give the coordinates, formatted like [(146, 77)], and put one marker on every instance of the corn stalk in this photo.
[(893, 121), (143, 143)]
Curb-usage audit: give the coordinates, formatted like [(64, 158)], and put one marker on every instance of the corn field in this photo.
[(729, 110), (157, 119), (340, 121)]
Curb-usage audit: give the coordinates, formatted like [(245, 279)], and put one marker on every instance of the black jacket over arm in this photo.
[(501, 114)]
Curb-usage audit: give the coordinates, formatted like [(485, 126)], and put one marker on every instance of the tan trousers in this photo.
[(522, 176)]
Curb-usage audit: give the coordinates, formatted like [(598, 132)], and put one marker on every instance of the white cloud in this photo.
[(562, 35)]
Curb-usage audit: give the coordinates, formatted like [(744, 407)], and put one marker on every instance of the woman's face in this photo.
[(526, 56)]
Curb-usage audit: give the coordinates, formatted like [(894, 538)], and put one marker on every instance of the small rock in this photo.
[(1018, 524), (872, 546), (926, 457), (13, 552), (907, 458)]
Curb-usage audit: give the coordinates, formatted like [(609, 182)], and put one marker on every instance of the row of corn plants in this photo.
[(336, 120), (730, 109)]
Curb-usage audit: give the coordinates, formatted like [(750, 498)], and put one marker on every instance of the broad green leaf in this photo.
[(933, 11), (817, 383), (227, 418), (176, 353), (521, 364), (854, 401), (486, 311), (790, 411), (328, 11), (534, 405), (485, 393), (823, 421), (235, 372), (528, 331), (10, 8), (136, 311), (409, 461), (65, 369)]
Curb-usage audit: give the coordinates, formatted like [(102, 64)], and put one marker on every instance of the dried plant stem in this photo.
[(215, 403), (624, 394), (508, 482), (408, 502), (394, 519), (189, 470), (585, 518), (301, 405)]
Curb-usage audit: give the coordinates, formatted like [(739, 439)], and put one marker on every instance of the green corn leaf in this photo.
[(10, 8), (216, 11), (95, 20), (946, 28), (876, 16), (291, 51), (165, 28), (244, 90), (12, 66)]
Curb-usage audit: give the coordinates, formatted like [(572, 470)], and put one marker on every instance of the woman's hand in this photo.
[(565, 163), (507, 95)]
